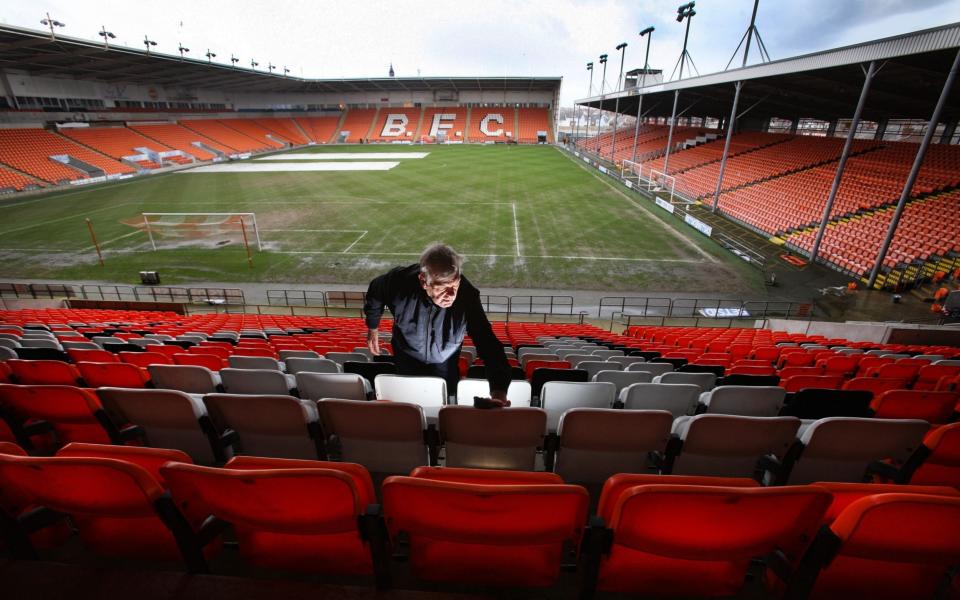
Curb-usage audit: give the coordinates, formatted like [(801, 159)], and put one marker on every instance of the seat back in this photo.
[(254, 362), (71, 411), (87, 355), (346, 386), (622, 379), (311, 525), (492, 439), (933, 407), (592, 367), (518, 393), (199, 359), (704, 537), (342, 357), (545, 374), (866, 552), (841, 448), (369, 370), (385, 437), (145, 359), (654, 368), (425, 391), (269, 425), (821, 382), (705, 381), (754, 401), (254, 381), (731, 445), (874, 385), (43, 372), (596, 443), (297, 364), (110, 502), (169, 419), (114, 374), (941, 461), (186, 378), (819, 404), (453, 527), (678, 399)]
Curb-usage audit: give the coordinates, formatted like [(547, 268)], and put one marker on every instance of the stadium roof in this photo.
[(911, 70), (36, 53)]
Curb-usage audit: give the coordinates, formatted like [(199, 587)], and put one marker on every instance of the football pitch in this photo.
[(524, 216)]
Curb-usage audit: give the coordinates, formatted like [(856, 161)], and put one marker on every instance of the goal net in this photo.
[(631, 171), (212, 230), (658, 181)]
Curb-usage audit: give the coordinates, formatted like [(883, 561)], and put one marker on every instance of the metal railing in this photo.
[(121, 293), (709, 308)]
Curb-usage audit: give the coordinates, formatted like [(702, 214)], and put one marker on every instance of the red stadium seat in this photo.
[(884, 546), (930, 375), (704, 537), (874, 385), (43, 372), (145, 359), (937, 461), (77, 355), (800, 382), (517, 532), (533, 365), (312, 522), (933, 407), (119, 509), (113, 374), (210, 361), (75, 414)]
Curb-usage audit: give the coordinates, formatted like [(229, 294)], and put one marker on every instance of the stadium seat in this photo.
[(596, 443), (933, 407), (705, 539), (269, 425), (705, 381), (544, 375), (818, 404), (842, 448), (87, 355), (802, 382), (592, 367), (936, 461), (756, 401), (622, 379), (317, 522), (559, 396), (517, 532), (678, 399), (113, 374), (518, 393), (186, 378), (884, 546), (428, 392), (118, 507), (144, 359), (257, 381), (198, 359), (385, 437), (43, 372), (492, 439), (168, 419), (726, 445), (297, 364), (345, 386), (74, 414)]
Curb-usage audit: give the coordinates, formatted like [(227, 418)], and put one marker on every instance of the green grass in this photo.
[(525, 216)]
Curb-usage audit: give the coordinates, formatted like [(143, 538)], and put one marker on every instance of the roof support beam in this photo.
[(915, 170), (731, 123), (838, 176)]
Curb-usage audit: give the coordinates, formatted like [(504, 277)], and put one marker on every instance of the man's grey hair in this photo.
[(440, 262)]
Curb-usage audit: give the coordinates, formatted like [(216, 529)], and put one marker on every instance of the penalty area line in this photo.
[(354, 242)]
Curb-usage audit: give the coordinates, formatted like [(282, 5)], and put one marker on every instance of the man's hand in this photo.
[(500, 397), (373, 341)]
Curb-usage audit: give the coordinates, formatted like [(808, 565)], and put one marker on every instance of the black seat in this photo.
[(122, 347), (480, 372), (819, 404), (383, 358), (738, 379), (182, 343), (695, 368), (545, 374), (42, 354), (647, 355), (369, 370)]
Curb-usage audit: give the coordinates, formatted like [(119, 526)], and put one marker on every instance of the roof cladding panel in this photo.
[(911, 70), (36, 53)]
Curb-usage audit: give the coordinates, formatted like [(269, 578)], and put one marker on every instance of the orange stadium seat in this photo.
[(29, 150), (357, 123), (319, 129), (397, 124), (492, 124)]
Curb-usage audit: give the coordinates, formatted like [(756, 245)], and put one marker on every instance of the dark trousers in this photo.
[(449, 370)]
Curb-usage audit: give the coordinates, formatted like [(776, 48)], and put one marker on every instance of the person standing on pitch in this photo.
[(434, 307)]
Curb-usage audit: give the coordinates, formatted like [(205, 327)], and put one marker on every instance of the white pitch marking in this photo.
[(516, 228), (320, 230), (116, 239), (345, 156), (667, 227), (291, 167), (609, 258), (355, 242)]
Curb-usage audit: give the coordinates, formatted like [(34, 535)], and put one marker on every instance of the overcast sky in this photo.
[(360, 38)]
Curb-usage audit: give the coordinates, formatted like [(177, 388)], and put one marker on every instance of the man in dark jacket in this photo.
[(434, 307)]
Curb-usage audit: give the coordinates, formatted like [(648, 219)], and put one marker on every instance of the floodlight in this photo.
[(646, 31), (51, 23), (148, 43), (210, 55)]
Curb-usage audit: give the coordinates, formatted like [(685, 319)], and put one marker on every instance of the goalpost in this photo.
[(658, 181), (632, 171), (217, 228)]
